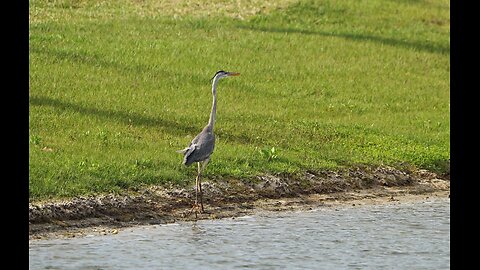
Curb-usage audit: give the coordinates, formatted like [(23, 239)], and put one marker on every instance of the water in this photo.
[(394, 236)]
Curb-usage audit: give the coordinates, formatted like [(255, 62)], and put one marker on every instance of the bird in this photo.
[(202, 146)]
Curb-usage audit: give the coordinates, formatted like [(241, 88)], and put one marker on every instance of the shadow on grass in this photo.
[(127, 69), (90, 59), (117, 116), (132, 118), (426, 46), (130, 69)]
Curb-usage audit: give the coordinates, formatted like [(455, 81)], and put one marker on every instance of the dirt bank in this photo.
[(231, 198)]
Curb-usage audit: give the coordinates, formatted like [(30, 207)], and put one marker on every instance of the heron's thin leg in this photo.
[(197, 184), (204, 164), (200, 186), (197, 187), (201, 195)]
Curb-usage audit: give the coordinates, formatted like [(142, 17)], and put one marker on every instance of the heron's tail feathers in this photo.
[(188, 150), (183, 151)]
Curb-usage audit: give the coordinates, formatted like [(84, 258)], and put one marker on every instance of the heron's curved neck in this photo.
[(213, 113)]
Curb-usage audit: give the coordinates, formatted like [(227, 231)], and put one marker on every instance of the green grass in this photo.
[(117, 86)]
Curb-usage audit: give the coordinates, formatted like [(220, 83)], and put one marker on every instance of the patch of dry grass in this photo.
[(43, 11)]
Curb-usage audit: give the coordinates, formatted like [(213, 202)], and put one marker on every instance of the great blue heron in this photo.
[(203, 144)]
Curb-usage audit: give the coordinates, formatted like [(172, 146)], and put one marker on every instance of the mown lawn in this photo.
[(117, 86)]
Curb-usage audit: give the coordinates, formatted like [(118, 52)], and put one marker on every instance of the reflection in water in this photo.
[(198, 233), (396, 236)]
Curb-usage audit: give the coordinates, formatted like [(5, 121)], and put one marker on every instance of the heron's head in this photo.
[(222, 74)]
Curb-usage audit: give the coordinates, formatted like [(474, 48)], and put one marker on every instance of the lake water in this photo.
[(412, 235)]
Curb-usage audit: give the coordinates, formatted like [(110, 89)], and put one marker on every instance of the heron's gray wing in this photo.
[(201, 147), (190, 148)]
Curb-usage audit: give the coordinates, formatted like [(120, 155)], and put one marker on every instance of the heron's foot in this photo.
[(196, 209)]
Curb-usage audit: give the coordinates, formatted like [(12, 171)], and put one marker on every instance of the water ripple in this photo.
[(397, 236)]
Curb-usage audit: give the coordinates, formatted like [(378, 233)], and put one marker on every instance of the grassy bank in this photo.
[(117, 86)]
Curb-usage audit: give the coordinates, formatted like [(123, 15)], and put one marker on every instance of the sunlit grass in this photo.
[(117, 86)]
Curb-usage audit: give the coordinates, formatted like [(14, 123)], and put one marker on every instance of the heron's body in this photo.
[(202, 146)]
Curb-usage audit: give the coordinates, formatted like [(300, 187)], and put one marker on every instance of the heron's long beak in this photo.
[(233, 74)]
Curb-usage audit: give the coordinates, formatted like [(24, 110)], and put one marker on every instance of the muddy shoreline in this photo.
[(233, 197)]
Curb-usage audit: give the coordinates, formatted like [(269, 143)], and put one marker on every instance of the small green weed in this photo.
[(270, 154), (35, 140)]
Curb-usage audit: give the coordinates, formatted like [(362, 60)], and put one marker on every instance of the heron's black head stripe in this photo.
[(220, 71)]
